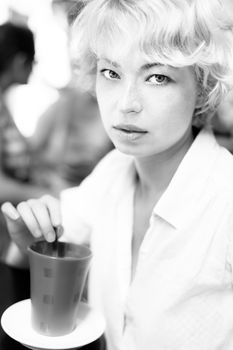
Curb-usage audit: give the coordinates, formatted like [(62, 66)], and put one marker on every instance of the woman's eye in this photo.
[(110, 74), (158, 79)]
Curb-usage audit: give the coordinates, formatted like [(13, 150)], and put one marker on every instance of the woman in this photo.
[(158, 210)]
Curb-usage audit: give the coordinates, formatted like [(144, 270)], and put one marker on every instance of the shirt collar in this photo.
[(187, 185)]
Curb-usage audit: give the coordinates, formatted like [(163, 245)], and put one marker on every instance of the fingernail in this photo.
[(51, 236), (10, 212)]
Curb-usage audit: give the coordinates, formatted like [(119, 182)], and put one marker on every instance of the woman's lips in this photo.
[(129, 128), (129, 132)]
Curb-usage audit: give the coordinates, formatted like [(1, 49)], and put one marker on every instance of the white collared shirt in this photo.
[(181, 297)]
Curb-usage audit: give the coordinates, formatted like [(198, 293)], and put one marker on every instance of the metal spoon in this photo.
[(55, 243)]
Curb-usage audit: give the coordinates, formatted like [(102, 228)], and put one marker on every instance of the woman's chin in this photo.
[(129, 150)]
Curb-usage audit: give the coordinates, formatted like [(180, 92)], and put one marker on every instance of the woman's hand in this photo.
[(33, 219)]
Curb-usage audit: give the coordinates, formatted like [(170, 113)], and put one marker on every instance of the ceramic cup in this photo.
[(57, 278)]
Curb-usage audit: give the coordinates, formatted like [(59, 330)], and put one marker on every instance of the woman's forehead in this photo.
[(117, 52)]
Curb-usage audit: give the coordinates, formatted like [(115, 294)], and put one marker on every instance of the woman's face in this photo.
[(146, 107)]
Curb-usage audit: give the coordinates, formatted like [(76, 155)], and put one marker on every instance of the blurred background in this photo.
[(49, 22)]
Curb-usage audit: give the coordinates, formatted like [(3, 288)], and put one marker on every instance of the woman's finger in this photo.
[(16, 227), (29, 219), (53, 206), (40, 211), (9, 210)]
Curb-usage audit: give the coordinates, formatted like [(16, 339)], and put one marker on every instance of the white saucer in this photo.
[(16, 322)]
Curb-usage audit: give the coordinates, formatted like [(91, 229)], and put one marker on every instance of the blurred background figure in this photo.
[(16, 62)]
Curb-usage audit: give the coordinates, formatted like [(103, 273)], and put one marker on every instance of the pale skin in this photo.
[(132, 93)]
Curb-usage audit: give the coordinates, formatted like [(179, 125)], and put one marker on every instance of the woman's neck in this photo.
[(154, 173)]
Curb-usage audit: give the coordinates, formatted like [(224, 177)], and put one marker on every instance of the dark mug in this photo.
[(57, 279)]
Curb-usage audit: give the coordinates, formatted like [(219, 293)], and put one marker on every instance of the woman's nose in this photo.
[(130, 100)]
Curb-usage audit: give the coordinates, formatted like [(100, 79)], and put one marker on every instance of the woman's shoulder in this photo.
[(113, 166)]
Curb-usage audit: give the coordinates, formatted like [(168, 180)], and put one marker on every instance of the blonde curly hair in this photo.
[(178, 33)]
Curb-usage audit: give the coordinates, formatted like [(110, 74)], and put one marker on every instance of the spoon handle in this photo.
[(55, 243)]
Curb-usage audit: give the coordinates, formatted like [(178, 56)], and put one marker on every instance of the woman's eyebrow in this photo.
[(148, 66), (113, 63), (151, 65)]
